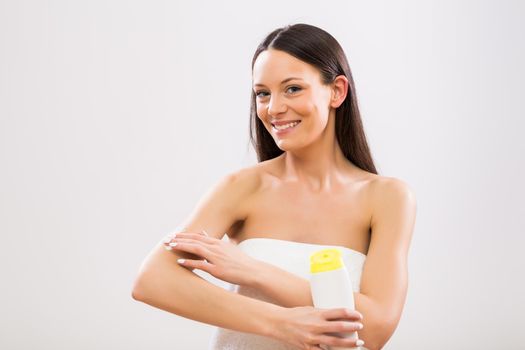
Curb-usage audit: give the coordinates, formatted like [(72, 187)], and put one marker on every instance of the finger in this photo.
[(318, 347), (189, 240), (167, 239), (196, 264), (185, 243), (340, 313), (340, 327), (197, 249), (339, 342), (176, 241)]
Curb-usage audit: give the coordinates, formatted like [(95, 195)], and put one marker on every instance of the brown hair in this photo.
[(317, 47)]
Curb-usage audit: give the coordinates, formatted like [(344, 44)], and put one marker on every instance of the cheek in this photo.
[(312, 109), (320, 106), (303, 106), (261, 113)]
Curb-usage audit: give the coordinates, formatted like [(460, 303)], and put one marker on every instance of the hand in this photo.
[(222, 259), (308, 328)]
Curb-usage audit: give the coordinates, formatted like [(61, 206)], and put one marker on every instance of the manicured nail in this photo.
[(181, 261), (206, 233), (359, 326), (173, 244), (359, 342), (167, 248)]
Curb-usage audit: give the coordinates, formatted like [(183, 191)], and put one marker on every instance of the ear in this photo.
[(339, 91)]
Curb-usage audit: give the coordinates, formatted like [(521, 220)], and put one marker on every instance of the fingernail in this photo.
[(359, 342), (359, 326), (181, 261), (173, 244), (206, 233), (167, 248)]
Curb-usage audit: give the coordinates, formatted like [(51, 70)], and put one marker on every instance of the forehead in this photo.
[(272, 66)]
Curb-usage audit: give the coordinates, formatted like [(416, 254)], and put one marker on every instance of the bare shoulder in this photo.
[(384, 188), (393, 211), (250, 179), (224, 205), (241, 182)]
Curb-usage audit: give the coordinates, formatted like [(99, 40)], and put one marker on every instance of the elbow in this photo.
[(136, 295), (383, 329), (137, 290)]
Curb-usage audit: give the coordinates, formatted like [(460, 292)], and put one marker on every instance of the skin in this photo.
[(330, 200)]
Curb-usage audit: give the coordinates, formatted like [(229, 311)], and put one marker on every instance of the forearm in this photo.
[(164, 284), (290, 290), (286, 288)]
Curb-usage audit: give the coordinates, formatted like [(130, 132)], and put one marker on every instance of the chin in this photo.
[(287, 145)]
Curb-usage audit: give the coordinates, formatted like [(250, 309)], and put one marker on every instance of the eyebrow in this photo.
[(282, 82)]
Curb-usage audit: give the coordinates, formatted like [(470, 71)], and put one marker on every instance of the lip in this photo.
[(285, 131), (282, 122)]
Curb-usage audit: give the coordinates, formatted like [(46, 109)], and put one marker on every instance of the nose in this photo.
[(276, 105)]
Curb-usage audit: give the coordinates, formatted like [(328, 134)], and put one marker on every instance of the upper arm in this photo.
[(385, 274), (223, 205), (216, 211)]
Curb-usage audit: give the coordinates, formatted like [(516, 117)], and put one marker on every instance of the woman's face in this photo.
[(292, 102)]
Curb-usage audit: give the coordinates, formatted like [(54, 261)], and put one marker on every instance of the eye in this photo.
[(294, 87), (258, 93)]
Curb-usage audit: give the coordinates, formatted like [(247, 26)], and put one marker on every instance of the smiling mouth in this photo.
[(285, 126)]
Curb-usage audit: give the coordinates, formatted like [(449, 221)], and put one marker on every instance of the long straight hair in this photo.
[(318, 48)]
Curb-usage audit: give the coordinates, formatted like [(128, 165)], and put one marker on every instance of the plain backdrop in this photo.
[(117, 116)]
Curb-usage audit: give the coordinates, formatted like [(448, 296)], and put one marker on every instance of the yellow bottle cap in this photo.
[(326, 260)]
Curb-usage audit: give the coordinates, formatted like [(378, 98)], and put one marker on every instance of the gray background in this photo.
[(117, 116)]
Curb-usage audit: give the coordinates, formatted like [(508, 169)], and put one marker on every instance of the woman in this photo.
[(315, 186)]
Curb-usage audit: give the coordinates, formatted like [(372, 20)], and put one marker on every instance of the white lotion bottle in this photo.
[(331, 285)]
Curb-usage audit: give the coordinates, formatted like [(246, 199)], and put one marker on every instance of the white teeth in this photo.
[(285, 126)]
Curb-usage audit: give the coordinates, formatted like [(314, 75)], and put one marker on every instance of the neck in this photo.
[(321, 166)]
